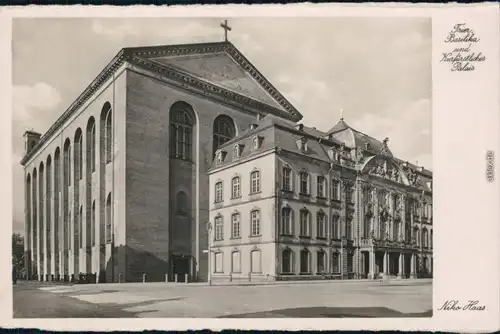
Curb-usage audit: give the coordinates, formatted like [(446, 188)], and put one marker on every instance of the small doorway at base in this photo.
[(181, 266)]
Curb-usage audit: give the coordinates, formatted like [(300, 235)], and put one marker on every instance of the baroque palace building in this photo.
[(116, 190), (291, 202)]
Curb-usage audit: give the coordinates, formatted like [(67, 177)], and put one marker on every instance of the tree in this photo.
[(17, 253)]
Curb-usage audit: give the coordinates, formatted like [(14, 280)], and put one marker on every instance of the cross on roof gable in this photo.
[(222, 66)]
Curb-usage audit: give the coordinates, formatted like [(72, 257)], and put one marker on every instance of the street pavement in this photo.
[(404, 298)]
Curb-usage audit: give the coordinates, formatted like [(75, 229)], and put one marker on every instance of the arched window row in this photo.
[(236, 187), (322, 230), (236, 225), (235, 261), (305, 259)]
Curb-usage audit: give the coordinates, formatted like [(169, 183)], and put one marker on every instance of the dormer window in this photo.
[(367, 146), (256, 142), (237, 151), (333, 155), (302, 144), (253, 126), (219, 156)]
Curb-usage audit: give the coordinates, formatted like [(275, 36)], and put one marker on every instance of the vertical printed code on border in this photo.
[(490, 166)]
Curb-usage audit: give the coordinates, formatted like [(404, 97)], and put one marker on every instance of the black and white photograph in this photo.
[(282, 167), (222, 167)]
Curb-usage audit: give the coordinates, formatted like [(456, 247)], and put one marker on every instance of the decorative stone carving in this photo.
[(384, 213), (385, 149)]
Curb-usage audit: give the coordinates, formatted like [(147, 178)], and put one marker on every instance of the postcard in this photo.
[(252, 167)]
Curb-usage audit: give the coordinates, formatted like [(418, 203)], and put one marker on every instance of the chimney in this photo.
[(31, 138), (258, 117)]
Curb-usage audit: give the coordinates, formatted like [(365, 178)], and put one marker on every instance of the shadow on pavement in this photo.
[(333, 312)]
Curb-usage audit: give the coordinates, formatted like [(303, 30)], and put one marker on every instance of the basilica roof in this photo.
[(217, 68), (218, 71)]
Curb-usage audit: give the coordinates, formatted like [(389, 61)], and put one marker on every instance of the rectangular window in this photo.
[(236, 262), (255, 182), (235, 229), (236, 187), (350, 260), (321, 262), (218, 257), (335, 227), (219, 228), (218, 192), (348, 228), (320, 186), (335, 263), (320, 225), (287, 179), (255, 219), (335, 190), (286, 221), (304, 183), (255, 265), (304, 224)]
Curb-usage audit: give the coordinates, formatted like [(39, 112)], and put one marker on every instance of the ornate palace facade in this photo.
[(292, 202)]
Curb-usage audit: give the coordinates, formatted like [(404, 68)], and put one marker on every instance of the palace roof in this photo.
[(354, 138)]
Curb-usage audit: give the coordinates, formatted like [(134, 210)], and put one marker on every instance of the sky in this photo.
[(378, 70)]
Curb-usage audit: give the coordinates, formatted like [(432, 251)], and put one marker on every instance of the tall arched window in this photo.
[(236, 187), (57, 186), (48, 199), (255, 223), (219, 228), (416, 236), (335, 262), (335, 226), (367, 228), (286, 221), (108, 219), (78, 155), (321, 261), (348, 229), (305, 265), (35, 215), (67, 163), (181, 131), (287, 261), (80, 227), (425, 238), (109, 135), (305, 222), (41, 208), (320, 225), (235, 226), (182, 203), (91, 145), (255, 261), (224, 131), (92, 225), (255, 182)]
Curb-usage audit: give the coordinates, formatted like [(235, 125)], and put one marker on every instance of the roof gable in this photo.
[(221, 66)]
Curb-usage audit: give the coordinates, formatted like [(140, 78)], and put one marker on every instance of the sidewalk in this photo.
[(245, 283)]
